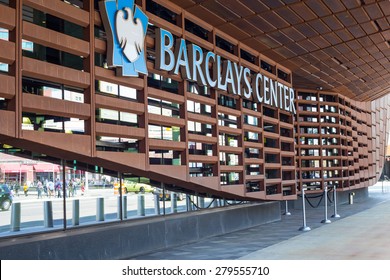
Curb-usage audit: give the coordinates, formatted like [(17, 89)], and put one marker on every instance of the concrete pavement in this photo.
[(362, 232), (363, 236)]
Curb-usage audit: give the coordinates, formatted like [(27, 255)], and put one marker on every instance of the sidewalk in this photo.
[(362, 232)]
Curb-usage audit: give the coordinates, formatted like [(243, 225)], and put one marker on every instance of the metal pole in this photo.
[(124, 207), (48, 214), (188, 203), (64, 191), (304, 227), (99, 209), (287, 213), (15, 216), (335, 215), (157, 204), (76, 212), (141, 205), (163, 198), (173, 202), (326, 220), (20, 176), (120, 197)]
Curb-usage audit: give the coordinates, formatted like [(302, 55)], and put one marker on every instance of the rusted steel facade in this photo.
[(167, 128)]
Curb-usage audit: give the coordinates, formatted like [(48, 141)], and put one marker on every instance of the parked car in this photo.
[(129, 187), (5, 197)]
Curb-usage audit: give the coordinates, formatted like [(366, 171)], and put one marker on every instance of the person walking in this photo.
[(71, 188), (58, 188), (50, 186), (25, 189), (39, 189)]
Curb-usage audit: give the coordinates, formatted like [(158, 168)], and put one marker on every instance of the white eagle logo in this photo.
[(130, 34)]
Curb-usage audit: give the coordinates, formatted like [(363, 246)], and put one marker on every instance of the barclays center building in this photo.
[(173, 120)]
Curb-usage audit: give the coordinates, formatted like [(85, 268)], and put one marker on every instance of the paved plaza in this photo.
[(362, 232)]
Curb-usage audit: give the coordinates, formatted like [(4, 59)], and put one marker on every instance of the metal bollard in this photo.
[(326, 220), (99, 209), (173, 202), (48, 214), (76, 212), (287, 213), (124, 207), (351, 195), (335, 215), (157, 204), (141, 205), (118, 210), (15, 216), (304, 226)]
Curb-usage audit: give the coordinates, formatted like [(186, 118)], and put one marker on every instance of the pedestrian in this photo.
[(45, 189), (39, 189), (50, 186), (58, 188), (16, 187), (71, 188), (82, 188), (25, 189)]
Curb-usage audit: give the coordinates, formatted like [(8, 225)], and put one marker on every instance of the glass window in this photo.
[(107, 87), (163, 83), (251, 120), (4, 34), (31, 121), (52, 22), (161, 11), (196, 29), (74, 96), (128, 118), (27, 46), (197, 89), (127, 92), (4, 67)]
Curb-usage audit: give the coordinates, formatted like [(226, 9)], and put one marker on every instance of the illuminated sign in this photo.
[(126, 27), (193, 64)]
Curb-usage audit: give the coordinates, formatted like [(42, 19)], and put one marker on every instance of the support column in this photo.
[(304, 226), (335, 214), (188, 203), (48, 214), (15, 216), (287, 213), (326, 220), (76, 212), (157, 204), (173, 202), (99, 209), (141, 205), (124, 207)]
